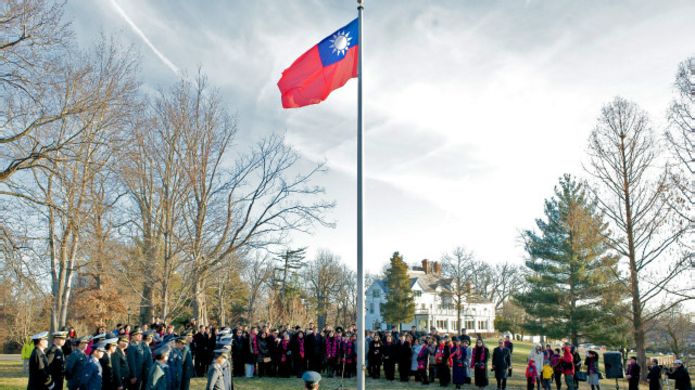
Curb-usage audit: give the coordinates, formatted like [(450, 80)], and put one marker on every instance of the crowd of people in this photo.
[(156, 357)]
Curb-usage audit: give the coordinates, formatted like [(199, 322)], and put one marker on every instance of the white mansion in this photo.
[(432, 307)]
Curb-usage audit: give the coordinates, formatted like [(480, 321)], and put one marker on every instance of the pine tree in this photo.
[(570, 268), (400, 303)]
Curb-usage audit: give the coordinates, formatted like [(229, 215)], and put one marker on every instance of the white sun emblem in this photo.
[(340, 42)]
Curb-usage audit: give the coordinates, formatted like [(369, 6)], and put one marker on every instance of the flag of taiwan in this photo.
[(323, 68)]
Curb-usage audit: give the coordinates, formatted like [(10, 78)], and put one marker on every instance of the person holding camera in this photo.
[(654, 375), (680, 375)]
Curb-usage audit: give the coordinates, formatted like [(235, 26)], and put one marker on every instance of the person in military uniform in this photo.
[(39, 374), (215, 375), (187, 361), (56, 359), (147, 356), (91, 378), (74, 364), (158, 376), (107, 379), (227, 369), (175, 363), (311, 380), (121, 371), (136, 360)]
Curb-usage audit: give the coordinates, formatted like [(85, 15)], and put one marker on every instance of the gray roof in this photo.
[(429, 284)]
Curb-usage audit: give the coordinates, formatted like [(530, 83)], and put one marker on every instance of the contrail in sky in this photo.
[(142, 35)]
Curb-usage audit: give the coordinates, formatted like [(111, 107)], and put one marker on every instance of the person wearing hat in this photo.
[(227, 369), (216, 377), (187, 361), (107, 378), (56, 359), (91, 378), (158, 377), (136, 359), (121, 370), (175, 363), (39, 373), (679, 374), (147, 338), (311, 380), (74, 364)]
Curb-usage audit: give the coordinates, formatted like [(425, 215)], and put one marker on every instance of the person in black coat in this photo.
[(389, 355), (375, 357), (679, 374), (56, 359), (654, 375), (633, 374), (479, 357), (121, 371), (107, 381), (441, 358), (501, 362), (238, 353), (39, 374), (199, 347), (404, 362)]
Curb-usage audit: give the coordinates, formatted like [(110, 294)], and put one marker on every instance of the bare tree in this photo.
[(42, 89), (680, 138), (634, 195), (324, 278), (256, 272), (228, 212), (458, 268), (60, 188)]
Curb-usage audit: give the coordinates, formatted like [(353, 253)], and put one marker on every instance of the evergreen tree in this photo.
[(400, 303), (570, 269)]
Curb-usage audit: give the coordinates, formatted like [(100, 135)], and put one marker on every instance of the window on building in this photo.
[(482, 325), (417, 293), (441, 324), (470, 324), (423, 306), (376, 293), (371, 307)]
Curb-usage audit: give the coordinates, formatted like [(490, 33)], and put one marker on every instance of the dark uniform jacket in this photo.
[(91, 378), (187, 368), (147, 363), (108, 383), (74, 365), (136, 361), (56, 365), (121, 371), (157, 377), (39, 375)]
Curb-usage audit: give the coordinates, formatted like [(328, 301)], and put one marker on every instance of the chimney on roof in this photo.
[(425, 265), (437, 268)]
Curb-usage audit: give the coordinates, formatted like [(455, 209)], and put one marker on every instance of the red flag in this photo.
[(323, 68)]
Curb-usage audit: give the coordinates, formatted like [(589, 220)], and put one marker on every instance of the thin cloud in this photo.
[(144, 38)]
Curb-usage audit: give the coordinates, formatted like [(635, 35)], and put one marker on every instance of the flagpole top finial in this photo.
[(360, 2)]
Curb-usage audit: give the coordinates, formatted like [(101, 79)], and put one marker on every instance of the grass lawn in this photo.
[(11, 378)]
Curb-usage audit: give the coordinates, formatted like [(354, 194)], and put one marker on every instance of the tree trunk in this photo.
[(200, 311), (146, 310), (637, 324)]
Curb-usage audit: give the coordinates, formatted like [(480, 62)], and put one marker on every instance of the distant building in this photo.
[(432, 307)]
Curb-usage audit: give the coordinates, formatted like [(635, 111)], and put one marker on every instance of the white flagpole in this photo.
[(360, 203)]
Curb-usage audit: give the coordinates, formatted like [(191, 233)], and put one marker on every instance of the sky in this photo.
[(473, 109)]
